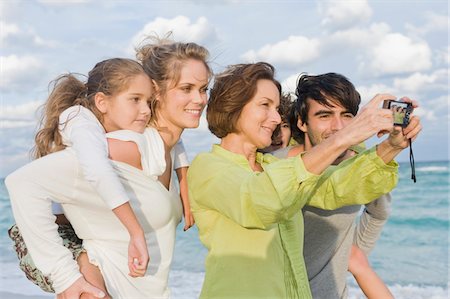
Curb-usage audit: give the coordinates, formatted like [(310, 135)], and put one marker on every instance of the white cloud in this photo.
[(7, 9), (343, 14), (414, 82), (425, 114), (433, 22), (432, 83), (443, 55), (201, 31), (9, 124), (63, 2), (360, 37), (7, 30), (13, 36), (290, 83), (19, 72), (23, 115), (397, 53), (294, 51), (368, 92)]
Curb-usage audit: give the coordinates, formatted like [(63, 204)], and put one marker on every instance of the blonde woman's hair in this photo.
[(110, 77), (163, 59)]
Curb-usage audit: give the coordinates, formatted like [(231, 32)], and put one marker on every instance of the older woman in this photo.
[(247, 204)]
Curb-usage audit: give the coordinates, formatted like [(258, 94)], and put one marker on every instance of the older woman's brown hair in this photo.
[(232, 90)]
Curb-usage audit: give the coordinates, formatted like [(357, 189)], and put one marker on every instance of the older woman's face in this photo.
[(260, 117)]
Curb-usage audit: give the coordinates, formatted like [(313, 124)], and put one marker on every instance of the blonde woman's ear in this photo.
[(101, 102), (156, 90)]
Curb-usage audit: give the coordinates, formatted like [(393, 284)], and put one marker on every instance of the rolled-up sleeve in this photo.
[(258, 200), (358, 180)]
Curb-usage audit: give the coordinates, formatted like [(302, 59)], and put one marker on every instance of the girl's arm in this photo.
[(181, 165), (82, 131), (369, 282)]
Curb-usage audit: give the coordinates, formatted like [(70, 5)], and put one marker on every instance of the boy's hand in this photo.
[(92, 275), (79, 287), (138, 257)]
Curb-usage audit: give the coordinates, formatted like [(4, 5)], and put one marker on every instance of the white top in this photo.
[(60, 177), (82, 131)]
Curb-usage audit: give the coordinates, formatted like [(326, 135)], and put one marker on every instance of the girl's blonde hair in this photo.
[(163, 59), (110, 77)]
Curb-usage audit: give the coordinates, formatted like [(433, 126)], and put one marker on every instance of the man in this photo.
[(325, 104)]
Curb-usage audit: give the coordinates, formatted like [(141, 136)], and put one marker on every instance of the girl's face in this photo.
[(260, 117), (129, 109), (182, 105)]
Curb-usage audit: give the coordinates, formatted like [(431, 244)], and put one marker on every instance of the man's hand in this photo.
[(79, 287), (138, 257)]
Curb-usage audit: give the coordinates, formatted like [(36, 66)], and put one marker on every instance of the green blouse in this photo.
[(251, 222)]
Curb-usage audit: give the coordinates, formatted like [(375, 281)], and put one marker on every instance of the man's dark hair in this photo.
[(327, 89)]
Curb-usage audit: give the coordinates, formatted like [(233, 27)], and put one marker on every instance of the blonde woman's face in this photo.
[(129, 109), (183, 104)]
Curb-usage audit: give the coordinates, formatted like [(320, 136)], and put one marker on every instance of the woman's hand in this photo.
[(398, 138), (188, 218), (138, 257), (371, 120)]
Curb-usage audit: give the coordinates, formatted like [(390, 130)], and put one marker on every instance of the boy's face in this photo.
[(280, 138), (323, 121), (285, 134)]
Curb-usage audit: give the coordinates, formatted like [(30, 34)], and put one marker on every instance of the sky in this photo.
[(396, 47)]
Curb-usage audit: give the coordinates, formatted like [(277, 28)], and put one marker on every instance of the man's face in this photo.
[(323, 121)]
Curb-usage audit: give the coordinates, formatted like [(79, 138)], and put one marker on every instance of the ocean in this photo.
[(412, 255)]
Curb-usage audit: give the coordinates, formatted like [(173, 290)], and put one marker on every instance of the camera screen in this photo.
[(399, 110)]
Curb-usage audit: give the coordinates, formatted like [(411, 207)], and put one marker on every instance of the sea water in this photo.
[(411, 255)]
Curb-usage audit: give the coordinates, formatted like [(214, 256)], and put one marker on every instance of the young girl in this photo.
[(181, 97)]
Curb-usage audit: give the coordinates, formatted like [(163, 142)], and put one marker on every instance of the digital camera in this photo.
[(401, 110)]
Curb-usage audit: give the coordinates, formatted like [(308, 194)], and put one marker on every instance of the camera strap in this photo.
[(411, 161)]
